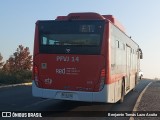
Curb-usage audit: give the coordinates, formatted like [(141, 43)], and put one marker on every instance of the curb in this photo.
[(14, 85), (139, 99)]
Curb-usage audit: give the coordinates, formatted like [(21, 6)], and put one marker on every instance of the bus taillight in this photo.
[(35, 70), (102, 79), (103, 72), (36, 75)]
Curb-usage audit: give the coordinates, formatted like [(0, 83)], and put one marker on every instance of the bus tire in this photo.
[(122, 92)]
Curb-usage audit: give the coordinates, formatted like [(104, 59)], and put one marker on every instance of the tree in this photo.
[(1, 63), (7, 67), (20, 60)]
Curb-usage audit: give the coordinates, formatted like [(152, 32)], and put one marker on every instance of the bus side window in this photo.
[(117, 44)]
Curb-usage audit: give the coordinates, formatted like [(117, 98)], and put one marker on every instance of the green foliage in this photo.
[(17, 69), (15, 78)]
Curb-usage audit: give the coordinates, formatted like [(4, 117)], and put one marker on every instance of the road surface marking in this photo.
[(139, 99)]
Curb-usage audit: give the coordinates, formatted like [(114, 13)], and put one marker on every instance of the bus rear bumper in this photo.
[(101, 96)]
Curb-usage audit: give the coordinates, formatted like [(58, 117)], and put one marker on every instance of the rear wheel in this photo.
[(122, 93)]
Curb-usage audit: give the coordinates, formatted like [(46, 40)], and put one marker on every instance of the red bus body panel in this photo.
[(69, 72)]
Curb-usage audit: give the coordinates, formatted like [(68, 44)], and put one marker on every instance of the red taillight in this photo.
[(36, 75), (103, 72), (102, 79), (35, 70)]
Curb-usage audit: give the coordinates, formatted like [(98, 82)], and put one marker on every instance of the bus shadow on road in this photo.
[(78, 109)]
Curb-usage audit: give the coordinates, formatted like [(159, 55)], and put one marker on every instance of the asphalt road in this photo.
[(19, 98)]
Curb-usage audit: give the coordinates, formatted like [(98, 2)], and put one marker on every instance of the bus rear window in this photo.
[(71, 39), (81, 37)]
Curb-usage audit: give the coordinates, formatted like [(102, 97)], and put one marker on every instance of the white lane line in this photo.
[(139, 99)]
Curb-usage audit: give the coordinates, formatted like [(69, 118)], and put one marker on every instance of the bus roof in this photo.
[(92, 16)]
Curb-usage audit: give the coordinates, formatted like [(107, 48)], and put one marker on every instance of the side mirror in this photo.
[(141, 56)]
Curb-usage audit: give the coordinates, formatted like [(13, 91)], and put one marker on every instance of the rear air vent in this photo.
[(74, 17), (85, 16), (81, 16)]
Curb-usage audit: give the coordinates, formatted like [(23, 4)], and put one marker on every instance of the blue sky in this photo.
[(141, 19)]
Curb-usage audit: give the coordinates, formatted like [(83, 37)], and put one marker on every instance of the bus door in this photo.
[(128, 66)]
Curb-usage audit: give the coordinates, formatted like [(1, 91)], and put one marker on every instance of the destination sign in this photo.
[(87, 28)]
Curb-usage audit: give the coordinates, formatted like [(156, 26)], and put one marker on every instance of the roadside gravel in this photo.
[(150, 102)]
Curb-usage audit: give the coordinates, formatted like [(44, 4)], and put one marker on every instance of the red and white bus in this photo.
[(84, 57)]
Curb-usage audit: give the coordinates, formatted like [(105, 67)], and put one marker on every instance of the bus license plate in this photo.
[(67, 95)]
